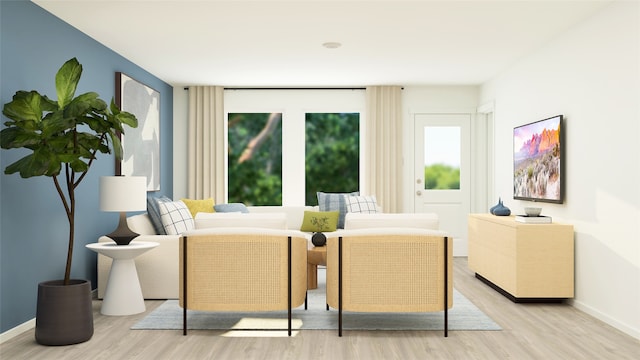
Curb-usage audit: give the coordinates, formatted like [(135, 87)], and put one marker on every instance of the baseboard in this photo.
[(625, 328), (460, 247), (28, 325), (13, 332)]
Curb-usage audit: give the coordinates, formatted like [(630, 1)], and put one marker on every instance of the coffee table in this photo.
[(316, 255)]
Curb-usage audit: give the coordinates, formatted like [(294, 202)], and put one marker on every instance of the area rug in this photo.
[(464, 315)]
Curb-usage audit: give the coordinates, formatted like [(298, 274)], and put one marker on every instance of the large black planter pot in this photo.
[(64, 315)]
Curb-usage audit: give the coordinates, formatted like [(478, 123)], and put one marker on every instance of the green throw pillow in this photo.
[(318, 221)]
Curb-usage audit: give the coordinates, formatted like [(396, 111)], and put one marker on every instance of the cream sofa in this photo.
[(158, 268)]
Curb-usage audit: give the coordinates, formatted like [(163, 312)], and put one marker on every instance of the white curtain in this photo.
[(206, 156), (383, 146)]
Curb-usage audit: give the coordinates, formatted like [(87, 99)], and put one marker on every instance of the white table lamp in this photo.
[(122, 194)]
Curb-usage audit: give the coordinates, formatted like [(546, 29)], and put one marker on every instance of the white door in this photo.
[(442, 172)]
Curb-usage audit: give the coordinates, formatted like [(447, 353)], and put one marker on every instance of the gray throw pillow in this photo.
[(154, 212), (333, 202)]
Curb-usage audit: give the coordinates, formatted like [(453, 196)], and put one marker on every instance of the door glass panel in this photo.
[(442, 157)]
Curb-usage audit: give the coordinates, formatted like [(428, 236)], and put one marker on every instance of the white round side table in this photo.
[(122, 295)]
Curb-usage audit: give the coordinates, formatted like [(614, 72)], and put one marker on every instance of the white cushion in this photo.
[(245, 231), (295, 214), (380, 220), (247, 220), (141, 224), (176, 217), (386, 231)]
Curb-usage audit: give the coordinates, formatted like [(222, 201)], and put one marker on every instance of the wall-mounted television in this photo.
[(538, 161)]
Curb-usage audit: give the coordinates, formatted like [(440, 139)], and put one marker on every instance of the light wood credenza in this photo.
[(525, 262)]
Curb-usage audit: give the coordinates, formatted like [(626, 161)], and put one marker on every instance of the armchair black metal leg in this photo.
[(340, 286), (289, 282), (446, 286)]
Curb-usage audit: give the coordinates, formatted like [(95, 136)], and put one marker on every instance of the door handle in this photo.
[(419, 193)]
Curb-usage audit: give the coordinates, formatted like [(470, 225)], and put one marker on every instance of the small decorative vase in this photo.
[(494, 207), (318, 239), (501, 210)]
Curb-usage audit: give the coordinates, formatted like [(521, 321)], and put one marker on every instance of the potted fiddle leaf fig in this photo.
[(63, 137)]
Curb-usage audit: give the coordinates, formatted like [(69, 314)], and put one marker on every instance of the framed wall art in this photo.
[(141, 145)]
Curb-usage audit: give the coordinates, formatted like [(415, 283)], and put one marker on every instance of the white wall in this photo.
[(591, 75)]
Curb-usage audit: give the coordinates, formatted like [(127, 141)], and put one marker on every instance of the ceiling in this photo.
[(279, 43)]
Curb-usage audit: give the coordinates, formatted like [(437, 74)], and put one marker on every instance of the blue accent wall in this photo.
[(34, 227)]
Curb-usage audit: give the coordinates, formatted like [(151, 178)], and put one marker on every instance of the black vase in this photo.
[(64, 313), (318, 239)]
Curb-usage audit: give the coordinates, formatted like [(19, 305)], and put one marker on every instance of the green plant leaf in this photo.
[(14, 137), (67, 80), (36, 164), (25, 107), (80, 106), (116, 144), (54, 124), (127, 119), (79, 165)]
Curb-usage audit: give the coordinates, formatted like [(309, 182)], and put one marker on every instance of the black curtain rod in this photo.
[(291, 88)]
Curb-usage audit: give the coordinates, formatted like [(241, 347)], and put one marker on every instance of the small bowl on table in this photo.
[(532, 211)]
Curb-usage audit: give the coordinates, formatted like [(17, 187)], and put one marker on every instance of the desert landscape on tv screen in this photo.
[(536, 160)]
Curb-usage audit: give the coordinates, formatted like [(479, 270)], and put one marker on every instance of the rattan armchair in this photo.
[(390, 270), (242, 269)]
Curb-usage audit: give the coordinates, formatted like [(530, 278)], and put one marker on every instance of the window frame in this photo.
[(294, 104)]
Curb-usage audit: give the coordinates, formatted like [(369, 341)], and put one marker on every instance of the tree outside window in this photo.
[(332, 154), (255, 158)]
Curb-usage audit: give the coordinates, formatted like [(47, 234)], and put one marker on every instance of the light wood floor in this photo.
[(530, 331)]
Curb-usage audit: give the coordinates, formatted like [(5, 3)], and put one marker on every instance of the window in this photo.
[(313, 146), (332, 154), (255, 158), (442, 158)]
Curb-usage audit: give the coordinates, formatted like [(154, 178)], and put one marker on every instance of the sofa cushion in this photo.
[(141, 224), (320, 221), (175, 216), (333, 202), (295, 214), (196, 206), (232, 207), (382, 220), (361, 204), (248, 220), (154, 213)]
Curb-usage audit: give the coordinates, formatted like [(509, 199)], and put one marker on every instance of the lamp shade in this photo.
[(123, 193)]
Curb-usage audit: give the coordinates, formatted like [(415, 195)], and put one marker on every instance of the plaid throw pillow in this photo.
[(176, 217), (362, 204)]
